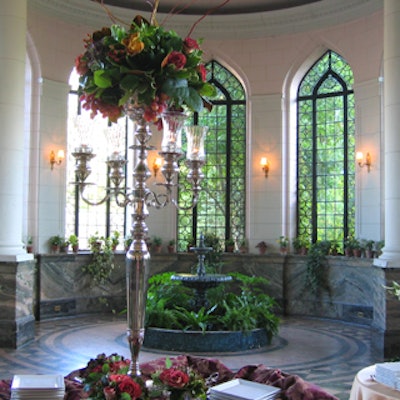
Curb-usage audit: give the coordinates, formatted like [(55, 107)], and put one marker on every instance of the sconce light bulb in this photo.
[(56, 159), (157, 165), (265, 165)]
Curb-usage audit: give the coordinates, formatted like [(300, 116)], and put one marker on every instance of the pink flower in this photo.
[(174, 378)]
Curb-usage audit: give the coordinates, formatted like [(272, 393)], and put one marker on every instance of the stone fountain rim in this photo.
[(205, 342)]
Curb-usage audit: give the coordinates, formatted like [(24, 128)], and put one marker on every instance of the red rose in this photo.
[(81, 65), (128, 385), (202, 71), (174, 378), (189, 45), (116, 377), (175, 58), (118, 365)]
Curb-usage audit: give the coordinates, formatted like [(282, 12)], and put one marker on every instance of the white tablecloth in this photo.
[(365, 388)]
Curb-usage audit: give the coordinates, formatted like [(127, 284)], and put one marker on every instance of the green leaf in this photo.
[(130, 82), (194, 100), (102, 79), (208, 90)]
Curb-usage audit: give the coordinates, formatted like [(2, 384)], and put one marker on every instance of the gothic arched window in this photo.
[(221, 207), (325, 151)]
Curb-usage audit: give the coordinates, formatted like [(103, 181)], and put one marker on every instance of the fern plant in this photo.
[(239, 305)]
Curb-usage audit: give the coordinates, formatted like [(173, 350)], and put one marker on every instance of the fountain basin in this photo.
[(207, 342), (206, 281)]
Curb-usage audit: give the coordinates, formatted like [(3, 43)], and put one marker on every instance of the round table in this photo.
[(366, 388)]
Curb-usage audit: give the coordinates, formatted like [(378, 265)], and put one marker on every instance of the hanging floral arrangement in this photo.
[(146, 64)]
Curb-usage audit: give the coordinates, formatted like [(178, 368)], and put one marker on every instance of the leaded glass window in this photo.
[(82, 219), (325, 151), (221, 207)]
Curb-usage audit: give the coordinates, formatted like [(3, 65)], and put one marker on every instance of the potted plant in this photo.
[(95, 242), (74, 241), (368, 247), (157, 244), (357, 249), (190, 242), (29, 244), (64, 245), (335, 248), (349, 244), (127, 242), (114, 240), (379, 245), (262, 247), (283, 244), (171, 246), (55, 242), (243, 248), (230, 245), (301, 245)]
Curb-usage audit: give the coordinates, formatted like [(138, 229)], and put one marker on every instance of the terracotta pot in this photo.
[(348, 252), (357, 252)]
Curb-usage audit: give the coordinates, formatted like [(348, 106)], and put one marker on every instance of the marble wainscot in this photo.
[(17, 294), (356, 292)]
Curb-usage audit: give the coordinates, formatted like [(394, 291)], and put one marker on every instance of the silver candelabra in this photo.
[(140, 197)]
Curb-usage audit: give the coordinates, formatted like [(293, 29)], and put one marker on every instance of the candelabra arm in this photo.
[(158, 200), (107, 196), (122, 198)]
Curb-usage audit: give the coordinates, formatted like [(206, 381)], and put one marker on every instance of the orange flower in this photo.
[(133, 44)]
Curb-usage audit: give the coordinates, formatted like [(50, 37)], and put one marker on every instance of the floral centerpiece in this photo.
[(105, 378), (145, 64)]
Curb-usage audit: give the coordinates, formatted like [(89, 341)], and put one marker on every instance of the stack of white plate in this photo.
[(240, 389), (388, 373), (37, 387)]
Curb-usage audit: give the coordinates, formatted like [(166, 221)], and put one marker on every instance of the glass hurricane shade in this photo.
[(195, 136)]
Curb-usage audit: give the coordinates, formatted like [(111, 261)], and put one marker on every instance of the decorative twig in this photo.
[(210, 11), (112, 17)]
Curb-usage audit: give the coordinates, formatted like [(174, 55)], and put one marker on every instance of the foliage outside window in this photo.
[(221, 206), (325, 151)]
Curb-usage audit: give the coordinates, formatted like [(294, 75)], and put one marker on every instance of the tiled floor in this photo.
[(323, 352)]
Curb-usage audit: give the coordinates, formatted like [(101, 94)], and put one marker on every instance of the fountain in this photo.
[(187, 341), (201, 281)]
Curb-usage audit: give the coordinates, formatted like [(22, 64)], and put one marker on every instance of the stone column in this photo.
[(16, 266), (391, 254), (13, 22)]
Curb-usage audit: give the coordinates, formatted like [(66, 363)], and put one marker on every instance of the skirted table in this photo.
[(292, 386), (366, 388)]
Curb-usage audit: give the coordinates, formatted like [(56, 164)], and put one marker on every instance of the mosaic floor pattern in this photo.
[(324, 352)]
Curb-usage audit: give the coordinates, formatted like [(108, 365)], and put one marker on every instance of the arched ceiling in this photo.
[(218, 7), (236, 19)]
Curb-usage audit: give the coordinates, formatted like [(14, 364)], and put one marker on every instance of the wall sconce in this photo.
[(265, 165), (56, 159), (360, 157), (157, 165)]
